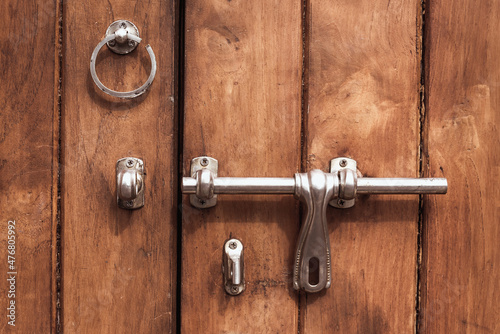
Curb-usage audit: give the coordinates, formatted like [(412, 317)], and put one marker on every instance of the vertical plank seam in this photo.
[(305, 86), (180, 26), (56, 266), (303, 125), (421, 155)]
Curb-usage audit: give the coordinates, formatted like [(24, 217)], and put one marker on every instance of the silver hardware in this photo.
[(204, 171), (122, 37), (130, 183), (317, 189), (233, 267), (345, 168), (312, 257), (122, 29)]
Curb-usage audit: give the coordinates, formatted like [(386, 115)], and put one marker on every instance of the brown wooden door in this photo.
[(268, 88)]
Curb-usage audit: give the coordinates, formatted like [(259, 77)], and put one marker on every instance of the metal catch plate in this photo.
[(213, 166), (130, 183), (336, 166)]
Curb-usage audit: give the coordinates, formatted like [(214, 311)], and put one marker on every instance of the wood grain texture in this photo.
[(119, 271), (364, 103), (242, 107), (461, 264), (28, 121)]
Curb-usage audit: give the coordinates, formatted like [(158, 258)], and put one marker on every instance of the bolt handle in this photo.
[(312, 271)]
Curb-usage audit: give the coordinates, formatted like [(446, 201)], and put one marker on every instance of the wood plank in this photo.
[(27, 178), (363, 103), (242, 107), (461, 264), (119, 271)]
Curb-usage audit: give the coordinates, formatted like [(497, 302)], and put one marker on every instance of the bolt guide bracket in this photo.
[(317, 189)]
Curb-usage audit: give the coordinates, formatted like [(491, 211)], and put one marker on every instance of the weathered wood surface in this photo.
[(460, 270), (29, 119), (119, 266), (363, 103), (242, 107)]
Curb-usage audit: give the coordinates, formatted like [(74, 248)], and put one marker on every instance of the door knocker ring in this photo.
[(122, 37)]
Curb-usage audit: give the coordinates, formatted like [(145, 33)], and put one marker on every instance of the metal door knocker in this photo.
[(122, 37)]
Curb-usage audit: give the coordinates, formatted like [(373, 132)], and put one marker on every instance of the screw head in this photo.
[(233, 245), (235, 289), (204, 162), (202, 202), (129, 204), (343, 163), (123, 25), (131, 43), (130, 163), (341, 202), (112, 42)]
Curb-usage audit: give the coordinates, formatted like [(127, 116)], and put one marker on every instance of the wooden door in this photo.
[(268, 88)]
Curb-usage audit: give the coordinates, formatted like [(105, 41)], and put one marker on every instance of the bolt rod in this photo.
[(373, 185), (286, 185)]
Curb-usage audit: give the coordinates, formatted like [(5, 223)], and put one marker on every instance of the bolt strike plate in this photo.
[(336, 165), (136, 167), (203, 163), (233, 267)]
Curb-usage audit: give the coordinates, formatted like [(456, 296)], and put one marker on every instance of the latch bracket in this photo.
[(345, 168), (205, 170)]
